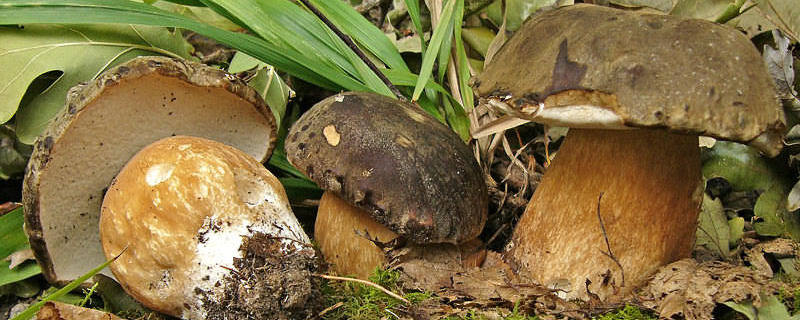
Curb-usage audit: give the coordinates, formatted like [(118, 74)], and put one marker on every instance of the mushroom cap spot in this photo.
[(111, 118), (181, 247), (331, 136), (685, 75), (157, 173), (406, 169)]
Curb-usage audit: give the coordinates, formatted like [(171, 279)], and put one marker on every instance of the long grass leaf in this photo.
[(461, 61), (12, 237), (121, 11), (444, 50), (30, 311), (413, 12), (21, 272), (362, 32), (364, 73), (289, 27), (408, 79), (437, 39)]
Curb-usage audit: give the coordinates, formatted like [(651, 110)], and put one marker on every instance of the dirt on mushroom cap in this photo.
[(266, 286), (189, 211)]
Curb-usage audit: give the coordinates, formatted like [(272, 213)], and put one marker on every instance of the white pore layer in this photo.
[(222, 234)]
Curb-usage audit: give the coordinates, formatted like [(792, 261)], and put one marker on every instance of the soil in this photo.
[(269, 286)]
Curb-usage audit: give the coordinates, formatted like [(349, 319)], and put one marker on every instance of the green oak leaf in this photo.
[(80, 52), (713, 231), (746, 169)]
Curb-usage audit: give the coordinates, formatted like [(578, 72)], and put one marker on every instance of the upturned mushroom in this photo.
[(388, 170), (204, 231), (103, 123), (622, 196)]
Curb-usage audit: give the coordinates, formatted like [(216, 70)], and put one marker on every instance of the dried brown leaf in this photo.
[(63, 311), (691, 290), (777, 248)]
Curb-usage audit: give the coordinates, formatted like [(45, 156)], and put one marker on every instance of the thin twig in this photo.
[(329, 309), (608, 254), (347, 40), (364, 282)]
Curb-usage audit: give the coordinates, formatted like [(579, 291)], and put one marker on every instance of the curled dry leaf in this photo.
[(690, 290), (778, 249), (64, 311), (450, 271)]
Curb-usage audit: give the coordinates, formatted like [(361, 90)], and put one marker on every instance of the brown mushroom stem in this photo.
[(651, 190), (343, 232)]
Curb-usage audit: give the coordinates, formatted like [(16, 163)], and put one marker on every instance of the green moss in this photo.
[(475, 315), (628, 313), (350, 300), (790, 298)]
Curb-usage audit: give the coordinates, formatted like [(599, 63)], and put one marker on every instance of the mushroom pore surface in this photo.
[(103, 124)]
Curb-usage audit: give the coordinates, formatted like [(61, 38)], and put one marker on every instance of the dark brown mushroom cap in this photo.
[(685, 75), (408, 170)]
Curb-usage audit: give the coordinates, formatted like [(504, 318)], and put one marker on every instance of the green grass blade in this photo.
[(121, 11), (461, 61), (300, 189), (295, 30), (444, 51), (366, 75), (300, 33), (12, 237), (18, 273), (408, 79), (413, 12), (28, 313), (195, 3), (362, 32), (439, 35)]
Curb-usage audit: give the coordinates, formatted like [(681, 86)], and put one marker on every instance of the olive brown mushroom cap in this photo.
[(103, 123), (410, 172), (615, 205), (592, 66), (202, 226)]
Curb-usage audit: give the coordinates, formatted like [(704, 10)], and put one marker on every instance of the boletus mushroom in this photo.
[(206, 232), (102, 125), (388, 170), (622, 195)]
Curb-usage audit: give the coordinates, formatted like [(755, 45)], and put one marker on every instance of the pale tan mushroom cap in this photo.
[(182, 207), (591, 66), (103, 124)]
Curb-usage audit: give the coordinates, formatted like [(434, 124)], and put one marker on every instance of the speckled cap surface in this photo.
[(645, 70), (391, 159)]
